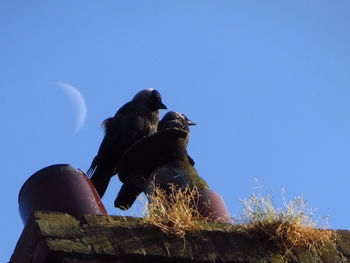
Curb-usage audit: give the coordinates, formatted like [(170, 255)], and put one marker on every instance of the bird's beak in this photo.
[(189, 122), (162, 106)]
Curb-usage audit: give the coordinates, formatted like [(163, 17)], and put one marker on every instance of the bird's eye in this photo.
[(155, 94)]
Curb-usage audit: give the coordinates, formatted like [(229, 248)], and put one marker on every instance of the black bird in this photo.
[(162, 159), (179, 171), (136, 119), (174, 119)]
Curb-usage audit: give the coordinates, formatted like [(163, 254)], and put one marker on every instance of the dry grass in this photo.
[(175, 212), (290, 227)]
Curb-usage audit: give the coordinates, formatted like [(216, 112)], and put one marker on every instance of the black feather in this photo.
[(162, 156), (126, 197), (134, 120)]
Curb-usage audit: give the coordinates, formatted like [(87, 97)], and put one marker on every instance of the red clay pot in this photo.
[(59, 188), (212, 206)]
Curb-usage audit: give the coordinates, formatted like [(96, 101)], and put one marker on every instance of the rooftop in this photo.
[(58, 237)]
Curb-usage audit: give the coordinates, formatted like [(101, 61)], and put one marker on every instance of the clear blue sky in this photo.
[(267, 82)]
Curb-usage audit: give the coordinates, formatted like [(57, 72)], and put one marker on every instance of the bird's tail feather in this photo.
[(91, 171), (92, 168), (126, 197), (100, 179)]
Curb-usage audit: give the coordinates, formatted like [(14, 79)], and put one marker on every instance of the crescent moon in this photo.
[(78, 102)]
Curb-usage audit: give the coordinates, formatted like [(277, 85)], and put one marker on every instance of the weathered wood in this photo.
[(57, 237)]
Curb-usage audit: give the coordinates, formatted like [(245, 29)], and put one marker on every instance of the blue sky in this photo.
[(267, 82)]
